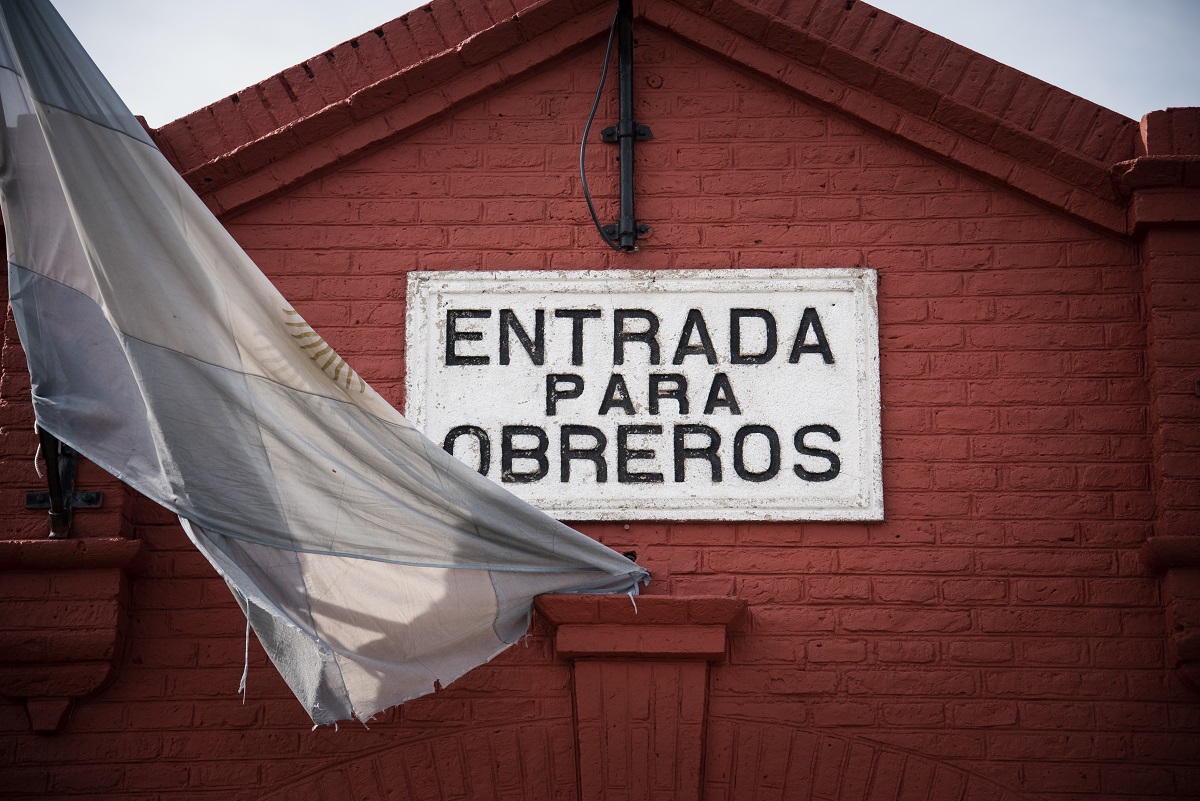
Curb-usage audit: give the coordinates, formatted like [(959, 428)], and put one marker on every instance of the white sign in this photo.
[(683, 395)]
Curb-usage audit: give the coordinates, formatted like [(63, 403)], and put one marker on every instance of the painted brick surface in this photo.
[(997, 637)]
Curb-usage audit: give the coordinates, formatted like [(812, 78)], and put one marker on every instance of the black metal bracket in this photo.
[(61, 499), (612, 232), (641, 133), (73, 500)]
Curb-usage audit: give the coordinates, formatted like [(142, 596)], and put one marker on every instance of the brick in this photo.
[(799, 620), (895, 682), (904, 590), (778, 680), (1030, 505), (958, 590), (159, 716), (1049, 621), (1123, 592), (892, 560), (1056, 714), (769, 590), (1049, 591), (1137, 780), (903, 620), (1127, 653), (65, 614), (839, 588), (1035, 420), (1040, 478), (966, 419), (89, 779), (983, 714), (1051, 652), (913, 714), (836, 650), (1073, 684), (844, 713), (1052, 747), (764, 650), (774, 560)]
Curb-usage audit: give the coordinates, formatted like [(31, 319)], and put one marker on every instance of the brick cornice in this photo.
[(443, 42), (365, 120), (955, 104), (1065, 165), (994, 94), (1158, 172), (1163, 191)]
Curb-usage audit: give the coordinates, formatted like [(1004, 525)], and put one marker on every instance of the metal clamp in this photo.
[(613, 134), (61, 499)]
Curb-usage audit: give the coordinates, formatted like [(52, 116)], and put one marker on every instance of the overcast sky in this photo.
[(168, 58)]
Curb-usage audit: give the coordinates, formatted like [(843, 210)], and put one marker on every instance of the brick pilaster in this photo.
[(641, 689), (1165, 188)]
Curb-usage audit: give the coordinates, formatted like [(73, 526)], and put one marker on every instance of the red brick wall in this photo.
[(999, 625)]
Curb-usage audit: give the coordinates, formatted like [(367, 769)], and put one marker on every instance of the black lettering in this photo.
[(694, 324), (510, 453), (625, 455), (535, 346), (453, 335), (811, 322), (485, 444), (721, 394), (677, 392), (835, 464), (555, 392), (735, 336), (709, 451), (617, 394), (649, 337), (739, 453), (594, 454), (577, 316)]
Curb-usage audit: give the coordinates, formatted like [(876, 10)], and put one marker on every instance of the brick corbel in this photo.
[(1178, 560), (63, 608), (640, 688), (1164, 191)]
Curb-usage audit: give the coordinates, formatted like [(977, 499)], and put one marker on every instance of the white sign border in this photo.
[(420, 326)]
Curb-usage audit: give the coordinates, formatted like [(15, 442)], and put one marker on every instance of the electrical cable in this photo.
[(587, 129)]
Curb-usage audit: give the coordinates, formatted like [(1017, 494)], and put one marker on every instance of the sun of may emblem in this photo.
[(319, 351)]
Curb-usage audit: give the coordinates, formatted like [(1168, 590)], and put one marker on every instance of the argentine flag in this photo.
[(369, 562)]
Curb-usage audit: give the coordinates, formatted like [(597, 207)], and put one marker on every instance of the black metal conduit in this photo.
[(627, 129), (61, 498), (60, 516), (624, 233)]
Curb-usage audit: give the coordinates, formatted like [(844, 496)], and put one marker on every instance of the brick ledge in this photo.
[(660, 627), (1161, 554), (1178, 559), (83, 554), (649, 609)]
